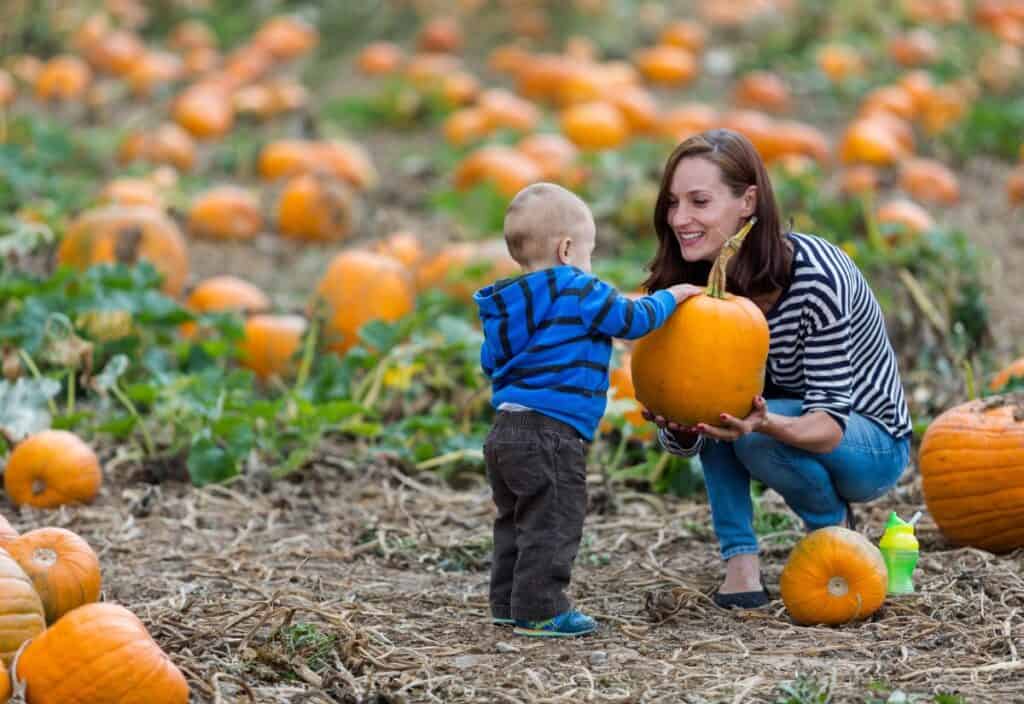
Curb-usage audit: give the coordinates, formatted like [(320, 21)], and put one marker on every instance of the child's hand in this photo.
[(684, 291)]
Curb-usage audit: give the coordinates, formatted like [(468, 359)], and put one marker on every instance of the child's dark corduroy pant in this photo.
[(537, 467)]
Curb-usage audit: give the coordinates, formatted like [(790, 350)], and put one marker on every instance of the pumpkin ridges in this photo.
[(58, 669), (21, 611), (72, 580)]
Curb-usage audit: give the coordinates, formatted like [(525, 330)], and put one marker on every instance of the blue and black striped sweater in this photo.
[(547, 340)]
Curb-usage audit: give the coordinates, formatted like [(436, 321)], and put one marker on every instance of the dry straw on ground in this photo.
[(360, 584)]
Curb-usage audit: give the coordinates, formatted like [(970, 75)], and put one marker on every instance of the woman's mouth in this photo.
[(690, 238)]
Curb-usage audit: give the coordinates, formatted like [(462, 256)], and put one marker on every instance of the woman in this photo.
[(833, 426)]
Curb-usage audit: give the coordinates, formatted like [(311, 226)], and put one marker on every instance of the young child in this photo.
[(547, 345)]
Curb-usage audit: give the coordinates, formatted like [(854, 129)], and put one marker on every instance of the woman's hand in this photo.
[(663, 422), (734, 428)]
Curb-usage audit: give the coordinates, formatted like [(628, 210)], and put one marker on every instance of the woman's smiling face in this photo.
[(702, 210)]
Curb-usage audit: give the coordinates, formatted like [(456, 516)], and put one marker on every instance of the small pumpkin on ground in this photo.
[(21, 611), (620, 386), (360, 286), (132, 191), (99, 654), (64, 77), (972, 472), (270, 343), (725, 342), (834, 575), (52, 468), (226, 212), (126, 234), (316, 208), (595, 125), (903, 218), (63, 568), (404, 246)]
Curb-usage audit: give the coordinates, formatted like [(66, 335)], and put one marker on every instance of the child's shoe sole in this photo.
[(540, 633), (503, 621)]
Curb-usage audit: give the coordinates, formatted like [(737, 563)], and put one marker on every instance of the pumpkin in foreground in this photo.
[(50, 469), (972, 472), (724, 340), (834, 575), (63, 568), (99, 654), (21, 611)]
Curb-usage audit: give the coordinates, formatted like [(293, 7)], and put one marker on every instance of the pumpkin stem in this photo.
[(717, 279)]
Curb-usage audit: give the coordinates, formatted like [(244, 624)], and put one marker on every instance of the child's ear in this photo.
[(564, 249)]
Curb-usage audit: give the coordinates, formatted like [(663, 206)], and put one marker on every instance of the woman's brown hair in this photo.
[(763, 263)]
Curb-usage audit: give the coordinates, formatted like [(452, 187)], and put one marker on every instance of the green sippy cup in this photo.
[(900, 551)]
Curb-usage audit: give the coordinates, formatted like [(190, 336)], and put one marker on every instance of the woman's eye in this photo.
[(700, 202)]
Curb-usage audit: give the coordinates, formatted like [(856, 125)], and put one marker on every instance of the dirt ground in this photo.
[(357, 583)]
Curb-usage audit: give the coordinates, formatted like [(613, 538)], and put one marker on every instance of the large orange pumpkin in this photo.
[(972, 471), (5, 686), (116, 233), (21, 612), (724, 341), (63, 568), (99, 654), (226, 212), (52, 468), (834, 575), (360, 286), (270, 343)]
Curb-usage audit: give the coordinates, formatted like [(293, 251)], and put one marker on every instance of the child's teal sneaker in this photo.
[(564, 625)]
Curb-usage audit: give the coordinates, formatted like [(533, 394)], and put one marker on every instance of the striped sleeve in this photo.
[(606, 310), (672, 446), (828, 373)]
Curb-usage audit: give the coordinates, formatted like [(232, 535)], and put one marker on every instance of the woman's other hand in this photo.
[(734, 428)]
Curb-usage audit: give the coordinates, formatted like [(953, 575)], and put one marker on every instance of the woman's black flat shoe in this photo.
[(741, 600)]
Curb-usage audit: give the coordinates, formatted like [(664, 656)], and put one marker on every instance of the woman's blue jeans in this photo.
[(865, 465)]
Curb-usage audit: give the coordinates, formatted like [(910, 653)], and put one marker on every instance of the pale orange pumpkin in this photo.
[(833, 575), (168, 144), (127, 234), (687, 34), (466, 125), (21, 612), (972, 472), (553, 153), (1013, 370), (316, 208), (404, 246), (725, 342), (859, 179), (506, 168), (360, 286), (270, 343), (441, 34), (64, 77), (52, 468), (905, 218), (840, 62), (223, 293), (205, 110), (63, 568), (132, 191), (507, 110), (347, 160), (918, 47), (286, 37), (686, 120), (666, 64), (893, 99), (595, 126), (99, 654), (929, 180), (869, 141), (638, 106), (763, 90), (461, 268), (380, 58), (226, 212), (191, 34)]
